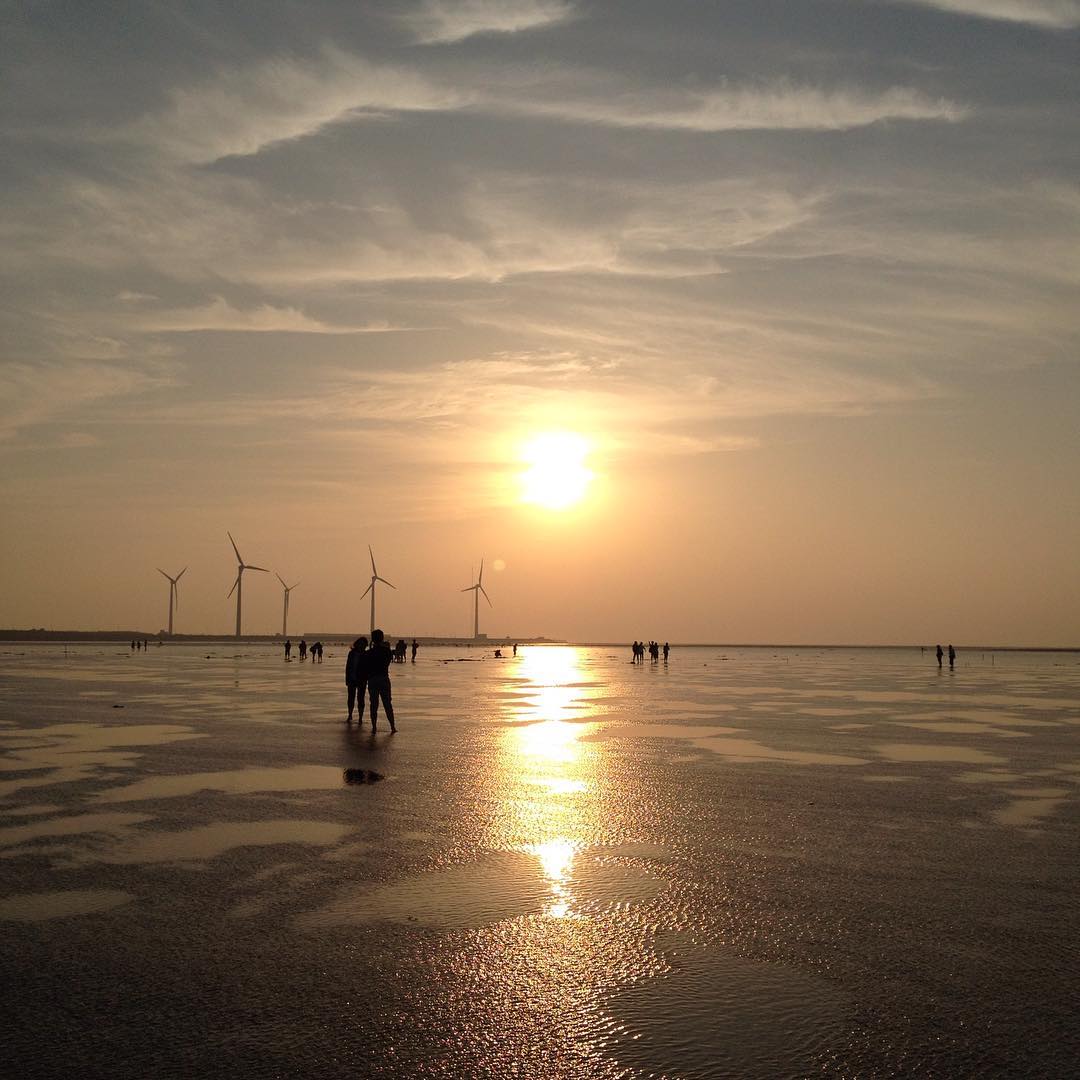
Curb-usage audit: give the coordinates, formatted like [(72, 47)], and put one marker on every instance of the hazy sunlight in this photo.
[(556, 477)]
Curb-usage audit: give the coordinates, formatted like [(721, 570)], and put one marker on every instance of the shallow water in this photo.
[(745, 863)]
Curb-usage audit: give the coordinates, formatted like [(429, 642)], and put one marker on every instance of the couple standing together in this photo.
[(369, 669)]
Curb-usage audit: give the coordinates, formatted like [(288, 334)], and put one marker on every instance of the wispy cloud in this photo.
[(39, 393), (777, 107), (1053, 14), (448, 21), (220, 315), (243, 110)]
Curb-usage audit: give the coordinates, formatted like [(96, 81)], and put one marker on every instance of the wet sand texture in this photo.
[(746, 863)]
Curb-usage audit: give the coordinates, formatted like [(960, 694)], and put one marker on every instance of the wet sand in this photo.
[(746, 863)]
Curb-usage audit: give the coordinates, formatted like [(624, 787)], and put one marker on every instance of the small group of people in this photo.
[(136, 644), (952, 657), (654, 650), (303, 651), (401, 648), (367, 671)]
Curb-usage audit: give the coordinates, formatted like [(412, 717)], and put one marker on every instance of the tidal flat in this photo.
[(747, 862)]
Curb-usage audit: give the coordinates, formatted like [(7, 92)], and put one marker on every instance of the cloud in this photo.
[(446, 21), (39, 393), (246, 109), (1053, 14), (220, 315), (777, 107)]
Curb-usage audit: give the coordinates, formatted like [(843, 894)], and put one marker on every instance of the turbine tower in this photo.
[(371, 588), (174, 593), (238, 584), (285, 613), (476, 590)]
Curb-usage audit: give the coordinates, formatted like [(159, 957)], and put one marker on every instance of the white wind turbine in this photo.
[(285, 612), (174, 593), (238, 584), (371, 588), (476, 590)]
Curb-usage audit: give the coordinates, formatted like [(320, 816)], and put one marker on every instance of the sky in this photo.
[(798, 280)]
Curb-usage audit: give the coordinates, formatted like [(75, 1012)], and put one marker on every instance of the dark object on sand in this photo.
[(362, 776)]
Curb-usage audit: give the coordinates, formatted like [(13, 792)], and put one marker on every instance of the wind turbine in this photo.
[(371, 588), (238, 584), (174, 593), (285, 613), (476, 590)]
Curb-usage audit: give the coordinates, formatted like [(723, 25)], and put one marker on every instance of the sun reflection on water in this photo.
[(545, 772)]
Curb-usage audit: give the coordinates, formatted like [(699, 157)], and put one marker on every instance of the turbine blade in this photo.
[(486, 597), (160, 571), (262, 568), (367, 590), (234, 584), (385, 582), (291, 587), (471, 588), (181, 574), (372, 554), (234, 547), (481, 577)]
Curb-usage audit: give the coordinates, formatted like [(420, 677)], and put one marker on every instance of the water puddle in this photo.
[(39, 907), (232, 782)]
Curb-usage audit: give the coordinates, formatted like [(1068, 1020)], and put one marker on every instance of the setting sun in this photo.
[(556, 477)]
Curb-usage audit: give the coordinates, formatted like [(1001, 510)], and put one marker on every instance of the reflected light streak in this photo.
[(556, 860), (541, 772)]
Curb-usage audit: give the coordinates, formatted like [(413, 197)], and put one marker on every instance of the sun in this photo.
[(556, 477)]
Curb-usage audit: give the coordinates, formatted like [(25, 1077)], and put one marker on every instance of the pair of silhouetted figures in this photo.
[(367, 671), (952, 656)]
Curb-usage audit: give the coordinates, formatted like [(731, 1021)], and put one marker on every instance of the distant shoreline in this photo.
[(127, 636), (122, 636)]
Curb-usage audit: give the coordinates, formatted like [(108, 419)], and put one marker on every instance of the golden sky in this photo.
[(786, 292)]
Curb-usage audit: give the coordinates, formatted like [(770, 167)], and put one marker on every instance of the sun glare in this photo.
[(556, 477)]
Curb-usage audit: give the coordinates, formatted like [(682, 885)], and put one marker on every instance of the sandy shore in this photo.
[(746, 863)]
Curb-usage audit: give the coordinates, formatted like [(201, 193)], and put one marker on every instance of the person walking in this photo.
[(356, 676), (288, 649), (939, 655), (379, 660), (952, 658), (414, 647), (303, 650), (667, 649)]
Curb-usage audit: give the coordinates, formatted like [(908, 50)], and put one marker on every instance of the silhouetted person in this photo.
[(940, 654), (952, 658), (132, 644), (356, 676), (288, 649), (515, 648), (667, 649), (379, 659), (414, 646), (316, 653), (303, 650)]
